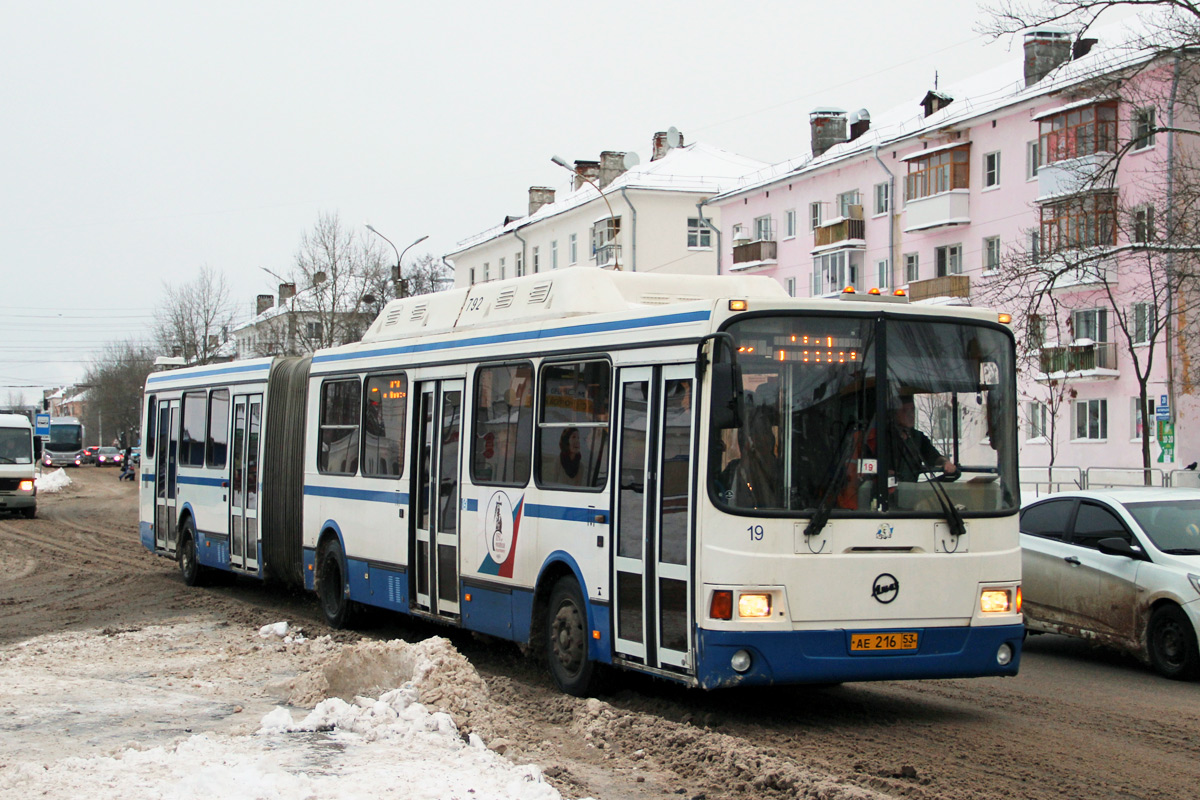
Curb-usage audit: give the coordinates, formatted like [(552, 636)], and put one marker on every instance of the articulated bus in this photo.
[(699, 478)]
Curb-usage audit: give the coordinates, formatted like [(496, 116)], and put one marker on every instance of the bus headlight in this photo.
[(26, 486), (995, 601), (754, 605)]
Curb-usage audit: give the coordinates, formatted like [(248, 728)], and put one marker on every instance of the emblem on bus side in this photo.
[(497, 524), (885, 588)]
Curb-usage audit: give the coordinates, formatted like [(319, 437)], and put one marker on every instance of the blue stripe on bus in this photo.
[(396, 498), (567, 513), (198, 481), (207, 373), (523, 336)]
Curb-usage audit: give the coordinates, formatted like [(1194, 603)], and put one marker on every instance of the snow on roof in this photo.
[(977, 95), (698, 168)]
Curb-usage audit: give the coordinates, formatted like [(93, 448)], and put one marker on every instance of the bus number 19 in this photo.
[(756, 533)]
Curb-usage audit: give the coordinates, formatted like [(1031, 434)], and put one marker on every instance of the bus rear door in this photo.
[(243, 479), (167, 452)]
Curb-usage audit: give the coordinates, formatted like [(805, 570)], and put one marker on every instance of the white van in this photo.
[(18, 487)]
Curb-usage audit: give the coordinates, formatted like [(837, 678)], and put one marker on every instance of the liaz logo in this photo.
[(885, 588)]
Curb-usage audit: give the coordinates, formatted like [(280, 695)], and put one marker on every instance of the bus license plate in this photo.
[(870, 642)]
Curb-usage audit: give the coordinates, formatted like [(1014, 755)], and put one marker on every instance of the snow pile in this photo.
[(54, 481), (279, 630)]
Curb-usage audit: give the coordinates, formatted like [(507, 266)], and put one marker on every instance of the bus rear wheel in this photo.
[(566, 640), (29, 512), (332, 588), (189, 565)]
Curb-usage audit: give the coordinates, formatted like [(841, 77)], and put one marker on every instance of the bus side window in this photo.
[(151, 425), (385, 404), (573, 428), (337, 446), (502, 438), (218, 428), (191, 439)]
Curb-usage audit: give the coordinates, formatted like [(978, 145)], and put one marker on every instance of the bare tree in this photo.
[(427, 275), (195, 318), (114, 384)]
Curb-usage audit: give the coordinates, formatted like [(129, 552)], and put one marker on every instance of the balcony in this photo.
[(1088, 275), (938, 210), (753, 254), (1083, 359), (944, 286), (609, 256), (841, 229), (1074, 175)]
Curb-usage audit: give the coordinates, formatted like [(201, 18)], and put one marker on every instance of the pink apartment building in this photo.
[(969, 195)]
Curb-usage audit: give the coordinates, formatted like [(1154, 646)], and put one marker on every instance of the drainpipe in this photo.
[(891, 216), (632, 232), (705, 222), (1170, 253), (524, 258)]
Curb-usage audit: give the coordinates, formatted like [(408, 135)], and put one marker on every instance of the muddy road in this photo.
[(1076, 723)]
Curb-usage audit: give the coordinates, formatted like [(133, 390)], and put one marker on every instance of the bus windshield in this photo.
[(65, 437), (15, 446), (821, 429)]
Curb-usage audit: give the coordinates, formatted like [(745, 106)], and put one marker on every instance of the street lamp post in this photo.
[(562, 162), (400, 282)]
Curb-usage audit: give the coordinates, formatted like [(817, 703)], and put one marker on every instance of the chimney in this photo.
[(1082, 47), (262, 303), (935, 101), (585, 171), (612, 165), (860, 123), (828, 128), (1045, 49), (663, 144), (538, 197), (286, 292)]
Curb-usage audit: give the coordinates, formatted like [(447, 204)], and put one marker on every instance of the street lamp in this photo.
[(399, 256), (562, 162)]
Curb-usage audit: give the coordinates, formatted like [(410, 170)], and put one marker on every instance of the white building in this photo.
[(644, 218)]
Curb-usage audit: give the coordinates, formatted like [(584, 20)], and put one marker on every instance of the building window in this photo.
[(937, 173), (487, 267), (1031, 160), (314, 330), (337, 438), (537, 261), (554, 254), (1090, 323), (814, 216), (1081, 221), (883, 273), (1036, 331), (1143, 224), (948, 259), (912, 271), (502, 270), (1136, 417), (502, 440), (883, 198), (1091, 419), (472, 276), (1035, 244), (1143, 318), (833, 272), (1143, 128), (763, 229), (604, 240), (991, 170), (1077, 132), (519, 262), (384, 411), (573, 248), (789, 218), (699, 235), (791, 287), (847, 199), (991, 254), (1039, 420), (573, 426)]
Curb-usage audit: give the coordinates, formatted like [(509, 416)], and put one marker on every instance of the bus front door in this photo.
[(653, 553), (243, 482), (166, 451), (434, 554)]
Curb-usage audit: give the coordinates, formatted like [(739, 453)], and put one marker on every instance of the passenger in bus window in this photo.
[(567, 469)]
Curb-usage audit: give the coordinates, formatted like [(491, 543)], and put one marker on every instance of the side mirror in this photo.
[(37, 448), (727, 396), (1116, 546)]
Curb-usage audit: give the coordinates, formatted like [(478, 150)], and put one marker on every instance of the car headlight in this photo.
[(1195, 579)]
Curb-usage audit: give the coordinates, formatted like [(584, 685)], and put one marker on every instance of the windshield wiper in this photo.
[(836, 477), (957, 526), (1182, 551)]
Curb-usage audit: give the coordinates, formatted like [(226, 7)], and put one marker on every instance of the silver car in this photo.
[(1119, 567)]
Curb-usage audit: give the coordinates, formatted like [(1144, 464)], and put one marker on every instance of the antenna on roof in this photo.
[(935, 80)]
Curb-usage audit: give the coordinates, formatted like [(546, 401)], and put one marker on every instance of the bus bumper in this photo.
[(790, 657)]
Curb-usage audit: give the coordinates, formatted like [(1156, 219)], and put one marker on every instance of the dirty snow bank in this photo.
[(53, 481)]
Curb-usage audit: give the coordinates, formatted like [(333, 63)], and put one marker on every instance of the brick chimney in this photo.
[(860, 123), (262, 303), (538, 197), (612, 165), (662, 144), (1045, 50), (286, 292), (585, 171), (828, 127)]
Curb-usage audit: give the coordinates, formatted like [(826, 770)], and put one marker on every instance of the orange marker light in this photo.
[(1005, 319), (899, 293), (721, 606), (848, 290), (467, 597), (596, 635), (874, 290), (737, 305)]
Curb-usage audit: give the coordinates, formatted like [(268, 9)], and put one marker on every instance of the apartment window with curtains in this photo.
[(940, 172), (1080, 221)]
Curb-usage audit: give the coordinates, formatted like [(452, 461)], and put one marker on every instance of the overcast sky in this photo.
[(144, 140)]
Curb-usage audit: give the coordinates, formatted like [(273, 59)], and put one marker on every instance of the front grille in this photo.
[(10, 484)]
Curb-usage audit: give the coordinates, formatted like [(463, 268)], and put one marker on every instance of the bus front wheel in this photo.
[(566, 640), (189, 566), (332, 586)]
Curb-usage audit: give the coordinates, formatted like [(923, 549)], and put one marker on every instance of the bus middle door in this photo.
[(166, 451), (243, 480), (435, 554)]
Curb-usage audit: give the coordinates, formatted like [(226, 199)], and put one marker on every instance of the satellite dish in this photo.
[(630, 160), (318, 277), (673, 137)]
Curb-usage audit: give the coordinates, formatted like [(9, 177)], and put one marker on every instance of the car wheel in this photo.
[(566, 640), (29, 511), (1172, 644), (332, 588), (189, 565)]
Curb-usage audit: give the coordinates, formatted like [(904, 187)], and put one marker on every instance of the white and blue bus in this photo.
[(699, 478)]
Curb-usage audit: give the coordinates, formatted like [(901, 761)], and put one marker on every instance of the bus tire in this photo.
[(29, 512), (1171, 641), (189, 564), (566, 640), (332, 586)]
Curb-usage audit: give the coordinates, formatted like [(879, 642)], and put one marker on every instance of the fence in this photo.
[(1037, 481)]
